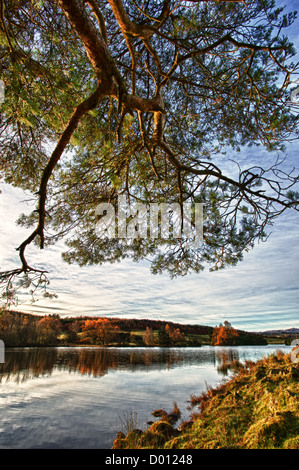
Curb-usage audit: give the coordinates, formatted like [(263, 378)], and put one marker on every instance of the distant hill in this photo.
[(287, 332)]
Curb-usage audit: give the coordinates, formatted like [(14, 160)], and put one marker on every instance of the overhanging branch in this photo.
[(88, 104)]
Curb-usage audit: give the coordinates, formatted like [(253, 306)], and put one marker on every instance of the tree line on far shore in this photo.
[(21, 329)]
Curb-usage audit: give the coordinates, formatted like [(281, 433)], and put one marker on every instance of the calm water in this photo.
[(81, 397)]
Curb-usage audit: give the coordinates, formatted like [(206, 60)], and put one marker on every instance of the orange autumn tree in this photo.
[(49, 328), (99, 331), (224, 335), (148, 337), (175, 334)]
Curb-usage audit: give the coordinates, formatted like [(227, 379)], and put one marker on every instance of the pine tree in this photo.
[(147, 98)]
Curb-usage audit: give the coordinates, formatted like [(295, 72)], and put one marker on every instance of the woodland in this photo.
[(19, 329)]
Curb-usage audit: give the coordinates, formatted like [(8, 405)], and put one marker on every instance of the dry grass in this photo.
[(257, 409)]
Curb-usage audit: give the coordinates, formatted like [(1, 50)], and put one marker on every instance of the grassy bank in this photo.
[(257, 409)]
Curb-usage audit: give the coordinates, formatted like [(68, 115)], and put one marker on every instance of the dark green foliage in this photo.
[(250, 339), (163, 337)]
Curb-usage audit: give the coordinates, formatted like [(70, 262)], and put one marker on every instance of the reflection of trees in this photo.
[(98, 361), (25, 363), (224, 358), (226, 355), (94, 362), (157, 358)]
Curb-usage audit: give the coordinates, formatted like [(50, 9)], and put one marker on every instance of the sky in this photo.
[(260, 293)]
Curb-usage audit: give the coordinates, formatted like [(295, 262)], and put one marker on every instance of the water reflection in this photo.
[(74, 397), (22, 364)]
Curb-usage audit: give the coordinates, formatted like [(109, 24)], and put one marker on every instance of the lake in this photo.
[(79, 398)]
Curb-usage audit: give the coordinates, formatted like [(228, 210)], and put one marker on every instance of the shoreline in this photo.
[(255, 409), (110, 346), (26, 330)]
